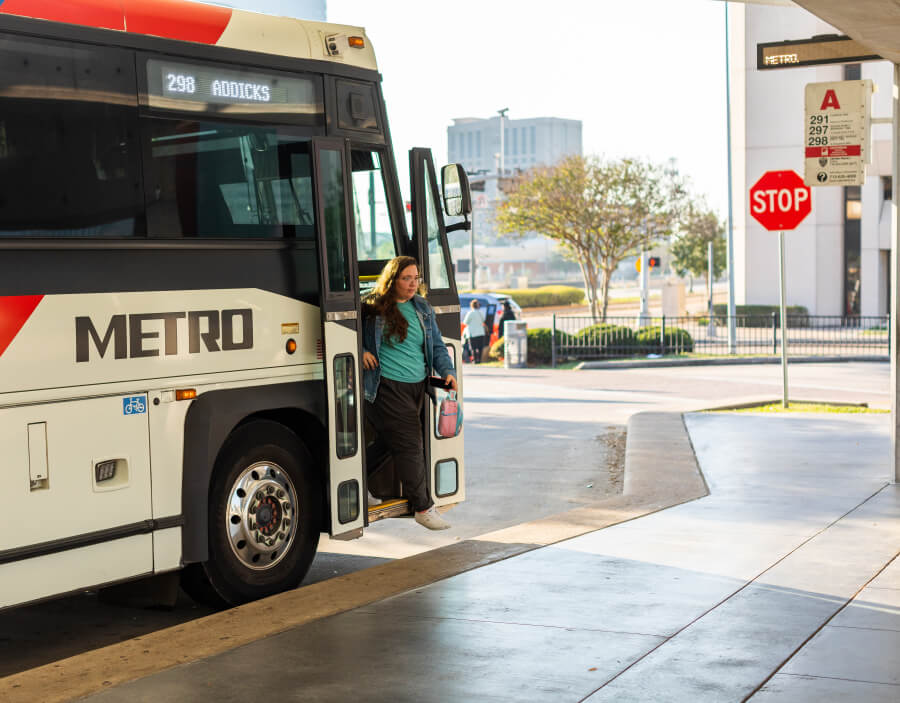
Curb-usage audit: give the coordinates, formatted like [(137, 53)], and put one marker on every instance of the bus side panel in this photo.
[(212, 417), (74, 570), (58, 501), (49, 453), (167, 423)]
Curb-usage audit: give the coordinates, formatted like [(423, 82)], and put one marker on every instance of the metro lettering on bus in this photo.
[(194, 200), (226, 330)]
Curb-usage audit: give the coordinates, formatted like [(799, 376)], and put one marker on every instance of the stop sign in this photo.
[(780, 200)]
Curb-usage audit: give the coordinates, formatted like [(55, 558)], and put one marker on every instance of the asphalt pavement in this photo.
[(781, 584)]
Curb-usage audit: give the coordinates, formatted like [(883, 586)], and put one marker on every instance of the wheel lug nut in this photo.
[(270, 490), (260, 495), (253, 509), (280, 494)]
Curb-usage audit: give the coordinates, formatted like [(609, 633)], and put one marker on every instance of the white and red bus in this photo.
[(191, 200)]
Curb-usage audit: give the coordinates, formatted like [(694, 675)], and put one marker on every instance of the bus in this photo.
[(192, 201)]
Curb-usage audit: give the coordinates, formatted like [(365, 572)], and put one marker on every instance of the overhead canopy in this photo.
[(875, 23)]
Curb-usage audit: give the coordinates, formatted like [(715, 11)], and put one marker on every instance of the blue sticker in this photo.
[(135, 405)]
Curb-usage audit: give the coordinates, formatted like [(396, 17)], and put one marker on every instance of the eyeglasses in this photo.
[(410, 279)]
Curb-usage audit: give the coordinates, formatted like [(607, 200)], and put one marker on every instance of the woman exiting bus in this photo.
[(402, 345)]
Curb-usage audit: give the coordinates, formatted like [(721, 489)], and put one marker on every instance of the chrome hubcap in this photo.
[(262, 515)]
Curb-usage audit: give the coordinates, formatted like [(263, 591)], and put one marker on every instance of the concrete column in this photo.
[(870, 284), (895, 274)]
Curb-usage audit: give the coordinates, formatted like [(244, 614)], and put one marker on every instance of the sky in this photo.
[(645, 77)]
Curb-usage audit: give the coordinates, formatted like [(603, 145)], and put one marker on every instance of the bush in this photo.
[(540, 350), (543, 296), (677, 340), (761, 315), (496, 352), (615, 339)]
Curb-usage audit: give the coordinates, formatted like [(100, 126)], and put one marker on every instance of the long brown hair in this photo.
[(383, 300)]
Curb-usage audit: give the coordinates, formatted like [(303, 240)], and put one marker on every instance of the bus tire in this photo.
[(264, 517)]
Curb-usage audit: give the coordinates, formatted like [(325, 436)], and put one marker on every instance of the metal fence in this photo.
[(581, 337)]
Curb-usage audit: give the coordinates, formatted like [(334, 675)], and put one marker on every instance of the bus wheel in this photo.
[(264, 516)]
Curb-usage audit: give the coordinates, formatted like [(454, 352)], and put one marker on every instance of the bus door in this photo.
[(342, 330), (444, 455)]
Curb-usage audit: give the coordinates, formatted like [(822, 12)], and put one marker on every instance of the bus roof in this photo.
[(208, 24)]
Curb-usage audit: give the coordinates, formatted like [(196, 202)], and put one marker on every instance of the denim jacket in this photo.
[(436, 356)]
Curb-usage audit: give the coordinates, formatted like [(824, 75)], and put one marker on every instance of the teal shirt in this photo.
[(404, 361)]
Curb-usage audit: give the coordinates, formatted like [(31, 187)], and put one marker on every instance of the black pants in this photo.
[(396, 416), (477, 344)]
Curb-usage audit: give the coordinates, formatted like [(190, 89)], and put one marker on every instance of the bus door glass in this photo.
[(445, 455), (342, 329)]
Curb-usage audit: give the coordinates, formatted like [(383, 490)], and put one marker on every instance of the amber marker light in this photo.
[(291, 346), (357, 42), (186, 394)]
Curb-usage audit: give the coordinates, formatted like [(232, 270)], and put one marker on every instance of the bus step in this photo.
[(390, 507)]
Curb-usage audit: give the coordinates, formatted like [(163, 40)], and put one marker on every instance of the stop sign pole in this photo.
[(780, 201)]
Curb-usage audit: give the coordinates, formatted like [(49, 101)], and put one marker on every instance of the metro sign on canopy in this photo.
[(780, 200)]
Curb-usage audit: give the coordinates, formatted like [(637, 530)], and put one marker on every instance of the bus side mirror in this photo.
[(455, 186)]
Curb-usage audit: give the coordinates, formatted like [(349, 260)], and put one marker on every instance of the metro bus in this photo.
[(192, 199)]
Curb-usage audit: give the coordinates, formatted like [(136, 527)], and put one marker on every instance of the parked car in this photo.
[(491, 307)]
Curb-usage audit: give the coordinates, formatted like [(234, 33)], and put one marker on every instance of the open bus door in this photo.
[(444, 455), (342, 331)]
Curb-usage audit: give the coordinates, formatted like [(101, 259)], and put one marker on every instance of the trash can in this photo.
[(515, 344)]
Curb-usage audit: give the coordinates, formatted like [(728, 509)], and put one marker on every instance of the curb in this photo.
[(728, 361), (744, 405), (650, 485)]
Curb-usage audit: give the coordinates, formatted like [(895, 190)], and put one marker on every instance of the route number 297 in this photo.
[(817, 131)]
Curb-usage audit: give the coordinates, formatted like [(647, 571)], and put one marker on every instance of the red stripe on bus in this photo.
[(176, 19), (14, 313), (173, 19), (106, 14)]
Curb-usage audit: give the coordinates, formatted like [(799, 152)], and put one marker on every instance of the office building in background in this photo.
[(475, 142)]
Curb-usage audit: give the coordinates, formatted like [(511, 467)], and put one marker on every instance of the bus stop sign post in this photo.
[(780, 201)]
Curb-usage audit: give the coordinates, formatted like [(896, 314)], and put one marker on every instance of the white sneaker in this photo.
[(372, 501), (432, 519)]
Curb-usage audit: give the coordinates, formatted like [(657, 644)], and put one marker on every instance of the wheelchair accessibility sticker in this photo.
[(134, 405)]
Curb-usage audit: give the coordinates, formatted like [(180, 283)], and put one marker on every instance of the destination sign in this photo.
[(812, 52), (205, 88)]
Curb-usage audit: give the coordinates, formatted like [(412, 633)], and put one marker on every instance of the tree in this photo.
[(598, 211), (690, 249)]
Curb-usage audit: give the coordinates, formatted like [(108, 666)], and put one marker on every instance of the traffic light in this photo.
[(652, 262)]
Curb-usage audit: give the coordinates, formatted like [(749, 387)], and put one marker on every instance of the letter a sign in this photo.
[(830, 101), (837, 133)]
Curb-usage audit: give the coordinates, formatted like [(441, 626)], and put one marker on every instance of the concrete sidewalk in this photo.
[(781, 585)]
